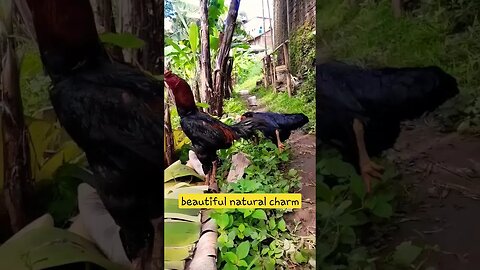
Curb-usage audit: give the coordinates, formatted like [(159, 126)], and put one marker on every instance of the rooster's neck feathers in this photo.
[(182, 92)]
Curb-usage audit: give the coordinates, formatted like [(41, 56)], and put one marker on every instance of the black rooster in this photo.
[(359, 111), (112, 111), (206, 133), (279, 126)]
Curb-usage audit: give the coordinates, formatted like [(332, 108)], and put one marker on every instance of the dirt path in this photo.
[(302, 147), (442, 179)]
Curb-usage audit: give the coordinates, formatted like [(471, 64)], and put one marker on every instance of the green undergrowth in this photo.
[(234, 106), (351, 224), (282, 103), (434, 32), (259, 238), (249, 83)]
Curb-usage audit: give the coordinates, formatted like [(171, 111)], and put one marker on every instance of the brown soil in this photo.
[(303, 160), (442, 179), (302, 148)]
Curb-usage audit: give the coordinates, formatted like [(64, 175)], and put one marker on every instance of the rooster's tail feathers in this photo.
[(247, 128)]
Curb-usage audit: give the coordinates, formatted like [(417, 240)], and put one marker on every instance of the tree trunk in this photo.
[(288, 79), (216, 106), (228, 78), (26, 15), (206, 82), (105, 22), (155, 37), (18, 184), (167, 129), (397, 6), (126, 25)]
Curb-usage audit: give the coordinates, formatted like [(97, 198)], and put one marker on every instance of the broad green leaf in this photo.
[(39, 131), (348, 236), (348, 220), (203, 105), (324, 209), (246, 212), (177, 170), (169, 217), (358, 187), (282, 226), (223, 220), (342, 207), (406, 253), (299, 258), (177, 265), (181, 233), (171, 206), (242, 263), (193, 36), (170, 42), (47, 247), (230, 257), (178, 253), (180, 139), (49, 168), (31, 64), (339, 168), (323, 192), (230, 266), (214, 43), (186, 190), (259, 214), (122, 40), (271, 223), (243, 249), (172, 185), (71, 151), (382, 209)]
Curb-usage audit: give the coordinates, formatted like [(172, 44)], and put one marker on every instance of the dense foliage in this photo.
[(437, 32), (257, 238), (353, 225)]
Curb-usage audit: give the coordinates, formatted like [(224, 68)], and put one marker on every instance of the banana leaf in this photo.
[(177, 170), (181, 233), (47, 247)]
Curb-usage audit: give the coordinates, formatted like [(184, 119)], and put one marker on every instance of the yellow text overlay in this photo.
[(210, 201)]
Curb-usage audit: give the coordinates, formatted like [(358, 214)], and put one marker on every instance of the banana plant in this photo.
[(47, 247), (182, 226)]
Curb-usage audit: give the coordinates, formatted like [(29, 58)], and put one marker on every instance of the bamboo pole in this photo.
[(272, 67), (287, 67)]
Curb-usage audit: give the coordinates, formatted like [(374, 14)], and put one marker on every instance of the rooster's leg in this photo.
[(208, 178), (281, 146), (368, 168), (213, 178)]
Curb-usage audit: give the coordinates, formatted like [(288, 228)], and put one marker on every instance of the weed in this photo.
[(256, 238)]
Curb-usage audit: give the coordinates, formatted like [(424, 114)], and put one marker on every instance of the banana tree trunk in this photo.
[(168, 133), (105, 21), (206, 83), (216, 106), (18, 184), (205, 254), (125, 14)]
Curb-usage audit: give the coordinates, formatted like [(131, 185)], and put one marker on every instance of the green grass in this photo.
[(249, 83), (433, 34), (234, 106), (371, 36)]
